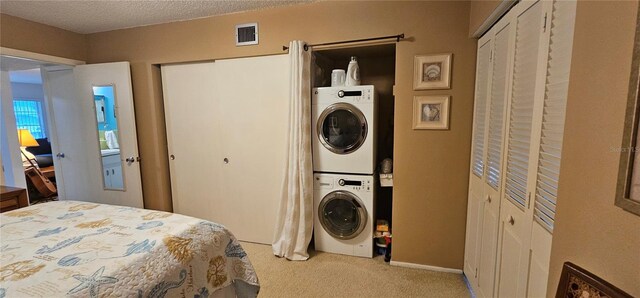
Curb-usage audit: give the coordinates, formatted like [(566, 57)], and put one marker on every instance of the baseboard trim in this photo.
[(425, 267)]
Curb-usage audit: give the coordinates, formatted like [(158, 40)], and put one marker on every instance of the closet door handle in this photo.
[(225, 160), (172, 157)]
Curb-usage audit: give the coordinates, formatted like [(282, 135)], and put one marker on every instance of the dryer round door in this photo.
[(342, 214), (342, 128)]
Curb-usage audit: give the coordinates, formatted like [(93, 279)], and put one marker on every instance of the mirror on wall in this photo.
[(628, 188), (108, 136)]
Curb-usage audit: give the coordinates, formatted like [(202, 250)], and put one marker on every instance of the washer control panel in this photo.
[(357, 185)]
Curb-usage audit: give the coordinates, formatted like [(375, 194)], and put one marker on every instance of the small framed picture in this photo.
[(431, 112), (432, 72)]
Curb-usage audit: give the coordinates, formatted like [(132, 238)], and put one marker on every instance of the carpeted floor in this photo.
[(332, 275)]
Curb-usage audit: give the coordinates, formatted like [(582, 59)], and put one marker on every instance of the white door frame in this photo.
[(9, 137), (39, 57)]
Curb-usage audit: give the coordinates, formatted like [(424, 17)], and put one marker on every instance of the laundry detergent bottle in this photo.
[(353, 73)]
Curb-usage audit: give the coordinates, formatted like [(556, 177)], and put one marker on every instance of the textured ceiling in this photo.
[(88, 16)]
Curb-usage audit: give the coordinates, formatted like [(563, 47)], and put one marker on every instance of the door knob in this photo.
[(60, 155), (130, 160), (511, 220), (489, 199), (172, 157), (226, 160)]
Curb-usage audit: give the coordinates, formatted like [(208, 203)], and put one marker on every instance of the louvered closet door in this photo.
[(476, 184), (528, 75), (560, 45), (494, 56), (555, 102), (495, 138)]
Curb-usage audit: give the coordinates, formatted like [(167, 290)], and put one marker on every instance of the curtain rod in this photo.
[(306, 46)]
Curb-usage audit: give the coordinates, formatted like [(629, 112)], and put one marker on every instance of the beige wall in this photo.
[(590, 231), (479, 12), (430, 195), (431, 180), (17, 33)]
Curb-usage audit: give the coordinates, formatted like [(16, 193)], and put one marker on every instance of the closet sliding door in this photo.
[(191, 110), (227, 127), (253, 96)]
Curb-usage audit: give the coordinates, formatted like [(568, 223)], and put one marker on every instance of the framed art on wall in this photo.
[(432, 72), (431, 112)]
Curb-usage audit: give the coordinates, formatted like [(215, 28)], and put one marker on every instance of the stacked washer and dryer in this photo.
[(344, 162)]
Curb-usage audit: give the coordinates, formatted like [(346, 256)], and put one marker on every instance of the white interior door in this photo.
[(499, 88), (557, 49), (68, 125), (476, 175), (226, 132), (11, 156), (76, 141), (486, 178), (521, 160)]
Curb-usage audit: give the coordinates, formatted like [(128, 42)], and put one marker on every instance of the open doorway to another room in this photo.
[(33, 134), (27, 163)]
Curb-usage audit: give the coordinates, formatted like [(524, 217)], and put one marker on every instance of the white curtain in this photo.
[(294, 226)]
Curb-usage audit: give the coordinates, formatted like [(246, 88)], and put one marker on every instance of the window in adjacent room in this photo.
[(29, 116)]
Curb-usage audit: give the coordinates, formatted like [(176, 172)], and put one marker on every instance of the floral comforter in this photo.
[(82, 249)]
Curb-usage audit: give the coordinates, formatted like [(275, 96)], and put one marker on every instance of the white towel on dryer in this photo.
[(112, 139)]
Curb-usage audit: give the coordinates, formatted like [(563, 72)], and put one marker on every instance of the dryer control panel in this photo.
[(358, 94)]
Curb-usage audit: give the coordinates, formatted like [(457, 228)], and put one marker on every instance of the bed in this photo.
[(80, 249)]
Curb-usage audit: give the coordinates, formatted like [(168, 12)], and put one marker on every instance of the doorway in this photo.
[(72, 124)]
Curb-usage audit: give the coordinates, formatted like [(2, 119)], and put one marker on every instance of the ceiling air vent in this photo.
[(247, 34)]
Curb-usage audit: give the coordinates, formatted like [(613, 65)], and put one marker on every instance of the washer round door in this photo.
[(342, 128), (342, 214)]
